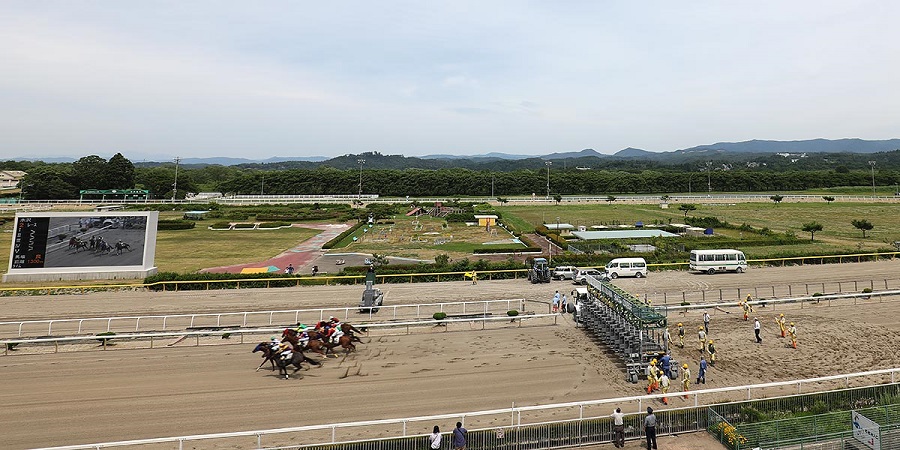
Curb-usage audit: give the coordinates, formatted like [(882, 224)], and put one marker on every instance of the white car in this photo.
[(581, 277), (564, 272)]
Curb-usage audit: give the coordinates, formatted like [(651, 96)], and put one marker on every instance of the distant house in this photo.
[(9, 179)]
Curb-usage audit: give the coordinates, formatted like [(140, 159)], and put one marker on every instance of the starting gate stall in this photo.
[(626, 325)]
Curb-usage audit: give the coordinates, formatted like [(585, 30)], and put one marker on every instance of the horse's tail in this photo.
[(355, 330), (311, 361)]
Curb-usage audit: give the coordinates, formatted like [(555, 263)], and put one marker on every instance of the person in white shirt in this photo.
[(618, 428)]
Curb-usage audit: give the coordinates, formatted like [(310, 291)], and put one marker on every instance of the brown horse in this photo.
[(345, 341), (296, 358), (349, 330), (267, 355), (313, 345)]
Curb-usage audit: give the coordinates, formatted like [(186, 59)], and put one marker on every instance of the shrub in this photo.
[(817, 294), (867, 291), (221, 225), (439, 316), (274, 224), (11, 345), (175, 224), (512, 313), (107, 341), (330, 244), (244, 226), (685, 303)]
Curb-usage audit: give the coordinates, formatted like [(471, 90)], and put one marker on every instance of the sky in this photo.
[(158, 79)]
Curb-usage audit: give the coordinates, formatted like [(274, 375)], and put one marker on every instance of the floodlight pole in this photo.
[(548, 163), (175, 185), (360, 161), (872, 163)]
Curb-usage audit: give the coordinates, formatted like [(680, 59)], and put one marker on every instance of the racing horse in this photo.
[(314, 344), (345, 341), (267, 354), (297, 357), (120, 245)]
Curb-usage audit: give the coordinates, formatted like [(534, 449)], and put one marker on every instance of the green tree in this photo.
[(119, 173), (49, 182), (812, 228), (828, 199), (610, 198), (90, 172), (557, 198), (776, 198), (687, 207), (442, 259), (502, 200), (862, 225)]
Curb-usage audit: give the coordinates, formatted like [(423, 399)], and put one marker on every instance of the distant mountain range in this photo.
[(730, 150)]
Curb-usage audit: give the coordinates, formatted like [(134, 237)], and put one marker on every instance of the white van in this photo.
[(627, 267)]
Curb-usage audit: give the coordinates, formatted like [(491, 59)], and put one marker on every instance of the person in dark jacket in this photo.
[(650, 429), (459, 437)]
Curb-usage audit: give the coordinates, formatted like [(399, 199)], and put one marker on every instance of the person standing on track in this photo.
[(702, 335), (756, 329), (701, 375), (666, 339), (712, 353), (706, 321), (780, 321), (664, 387), (681, 334), (685, 379), (793, 332)]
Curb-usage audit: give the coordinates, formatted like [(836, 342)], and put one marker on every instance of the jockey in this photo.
[(286, 349)]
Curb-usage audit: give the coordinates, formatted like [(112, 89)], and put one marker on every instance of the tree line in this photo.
[(64, 180)]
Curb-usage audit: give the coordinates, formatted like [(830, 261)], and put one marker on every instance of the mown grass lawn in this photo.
[(835, 218), (426, 237), (187, 251)]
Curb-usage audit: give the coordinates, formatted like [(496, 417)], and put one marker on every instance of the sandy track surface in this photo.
[(98, 396)]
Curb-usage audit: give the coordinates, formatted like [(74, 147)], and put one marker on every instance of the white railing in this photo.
[(7, 344), (249, 318), (514, 414), (773, 302)]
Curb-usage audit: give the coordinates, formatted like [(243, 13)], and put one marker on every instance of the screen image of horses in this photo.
[(96, 241)]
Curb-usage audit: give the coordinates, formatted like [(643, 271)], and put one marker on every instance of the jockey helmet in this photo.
[(335, 319), (273, 339)]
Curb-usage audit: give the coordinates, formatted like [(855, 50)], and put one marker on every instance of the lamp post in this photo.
[(872, 163), (708, 177), (360, 161), (689, 182), (548, 163), (175, 185)]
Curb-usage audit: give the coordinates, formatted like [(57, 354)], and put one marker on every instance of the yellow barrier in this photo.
[(383, 279)]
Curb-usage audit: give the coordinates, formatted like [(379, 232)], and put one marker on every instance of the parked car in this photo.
[(564, 272), (581, 276)]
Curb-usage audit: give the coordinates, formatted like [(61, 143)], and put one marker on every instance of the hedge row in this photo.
[(274, 224), (270, 279), (330, 244), (175, 224), (553, 235), (485, 251)]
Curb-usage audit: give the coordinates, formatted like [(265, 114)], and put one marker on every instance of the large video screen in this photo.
[(82, 240)]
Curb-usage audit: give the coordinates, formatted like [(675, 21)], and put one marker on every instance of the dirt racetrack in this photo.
[(94, 396)]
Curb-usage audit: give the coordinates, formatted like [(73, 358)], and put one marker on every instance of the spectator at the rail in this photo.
[(459, 437), (618, 428), (435, 438)]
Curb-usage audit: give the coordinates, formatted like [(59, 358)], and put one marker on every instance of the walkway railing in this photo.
[(250, 318)]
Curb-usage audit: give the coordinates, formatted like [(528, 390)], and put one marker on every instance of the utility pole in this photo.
[(548, 163), (175, 185), (262, 185), (492, 185), (708, 178), (872, 163), (360, 161)]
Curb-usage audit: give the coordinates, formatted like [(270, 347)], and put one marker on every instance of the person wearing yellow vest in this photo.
[(747, 308), (681, 334), (685, 379), (702, 336), (651, 376), (711, 349), (780, 321), (664, 387)]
